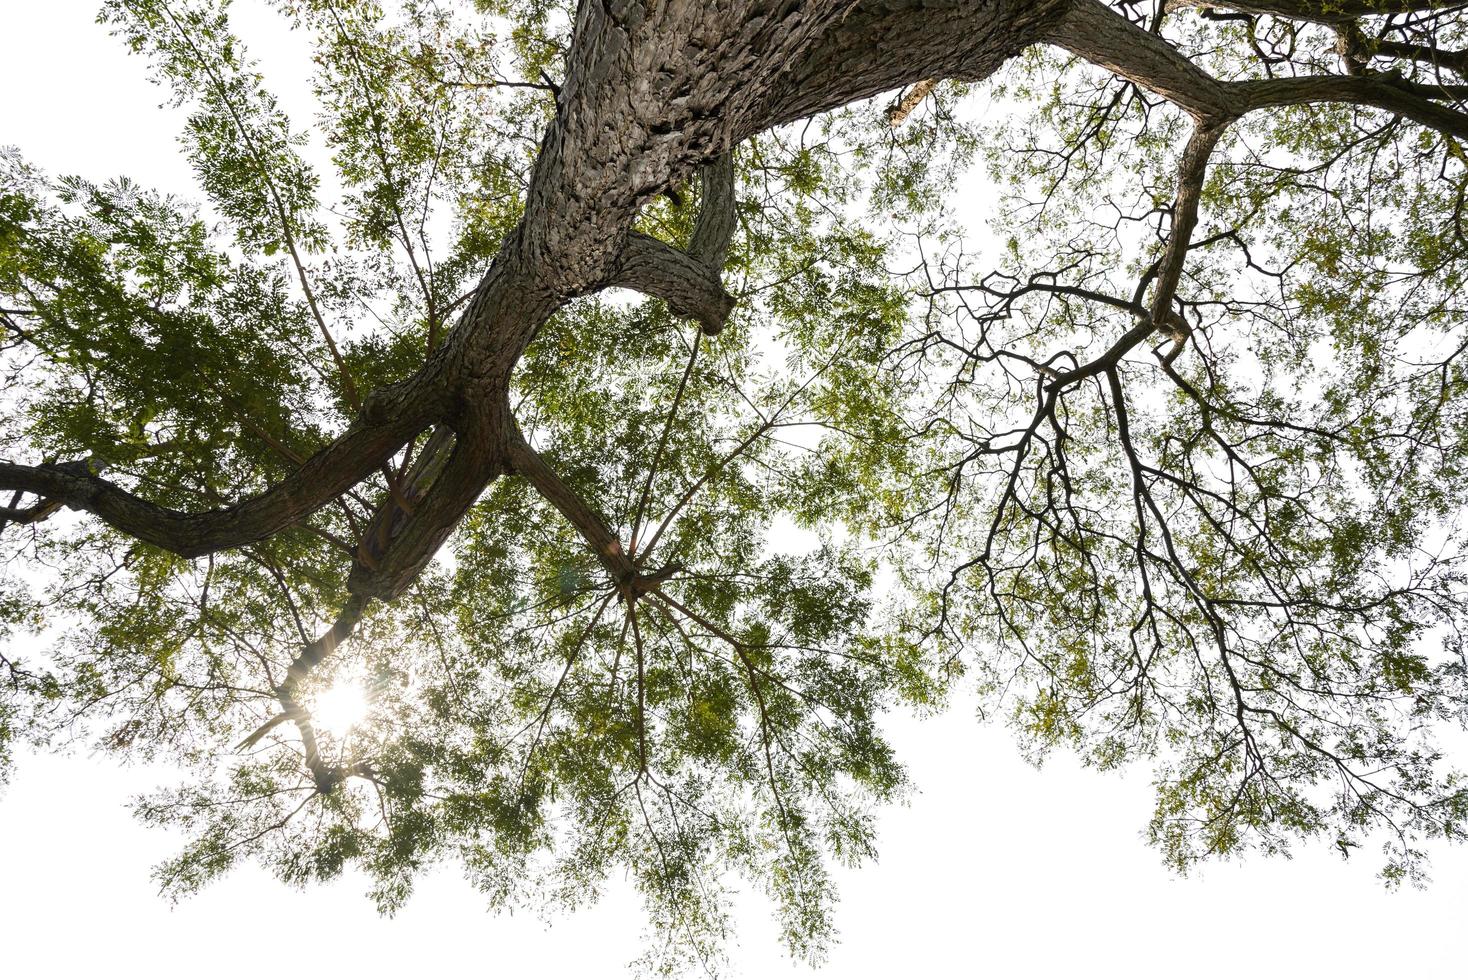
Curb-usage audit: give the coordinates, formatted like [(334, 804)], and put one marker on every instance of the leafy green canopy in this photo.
[(1217, 531)]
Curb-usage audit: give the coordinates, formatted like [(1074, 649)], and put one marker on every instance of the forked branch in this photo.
[(688, 281)]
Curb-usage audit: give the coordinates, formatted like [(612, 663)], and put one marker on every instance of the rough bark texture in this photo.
[(881, 45), (1093, 31), (653, 91)]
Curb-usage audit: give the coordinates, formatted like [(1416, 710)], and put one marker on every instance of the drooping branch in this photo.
[(422, 271)]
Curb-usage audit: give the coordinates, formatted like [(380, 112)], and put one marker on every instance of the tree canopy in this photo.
[(608, 394)]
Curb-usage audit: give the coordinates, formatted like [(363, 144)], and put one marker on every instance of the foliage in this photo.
[(1213, 525)]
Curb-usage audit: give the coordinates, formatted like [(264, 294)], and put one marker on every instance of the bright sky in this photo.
[(995, 869)]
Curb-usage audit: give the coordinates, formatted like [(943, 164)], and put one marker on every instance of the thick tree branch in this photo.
[(405, 494), (680, 81), (689, 282), (1100, 35), (34, 514), (1192, 172), (605, 544), (453, 474), (629, 578), (331, 472), (1103, 37), (757, 63), (1386, 92), (716, 215), (1316, 11), (689, 286), (882, 45), (653, 90), (1454, 61)]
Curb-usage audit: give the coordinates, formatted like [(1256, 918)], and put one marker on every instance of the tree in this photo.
[(1179, 480)]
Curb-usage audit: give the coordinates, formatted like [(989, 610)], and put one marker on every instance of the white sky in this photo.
[(995, 869)]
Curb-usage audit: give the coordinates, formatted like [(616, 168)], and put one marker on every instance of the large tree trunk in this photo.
[(652, 90)]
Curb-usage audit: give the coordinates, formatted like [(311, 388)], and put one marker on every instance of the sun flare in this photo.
[(341, 707)]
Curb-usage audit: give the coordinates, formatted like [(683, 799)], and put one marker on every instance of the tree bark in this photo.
[(651, 91), (1096, 33)]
